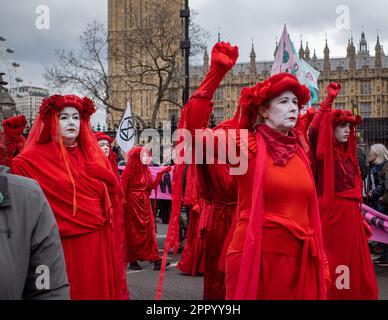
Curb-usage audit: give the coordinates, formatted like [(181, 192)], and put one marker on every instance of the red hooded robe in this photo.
[(344, 229)]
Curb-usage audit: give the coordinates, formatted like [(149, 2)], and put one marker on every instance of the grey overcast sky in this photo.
[(238, 21)]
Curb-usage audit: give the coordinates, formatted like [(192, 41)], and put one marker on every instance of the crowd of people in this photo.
[(290, 227)]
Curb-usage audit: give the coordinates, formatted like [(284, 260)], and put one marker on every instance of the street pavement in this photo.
[(177, 286)]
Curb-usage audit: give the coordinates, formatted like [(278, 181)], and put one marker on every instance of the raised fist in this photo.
[(224, 54), (333, 89)]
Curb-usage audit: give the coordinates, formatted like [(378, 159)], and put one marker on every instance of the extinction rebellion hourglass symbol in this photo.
[(126, 129)]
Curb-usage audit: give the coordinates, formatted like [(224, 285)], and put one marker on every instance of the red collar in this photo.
[(281, 147)]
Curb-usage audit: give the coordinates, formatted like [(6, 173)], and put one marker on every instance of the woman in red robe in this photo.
[(139, 220), (276, 251), (117, 197), (338, 179), (62, 154)]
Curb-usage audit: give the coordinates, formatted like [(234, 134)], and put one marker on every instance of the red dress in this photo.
[(291, 264), (218, 190), (117, 198), (139, 218), (87, 235), (344, 229)]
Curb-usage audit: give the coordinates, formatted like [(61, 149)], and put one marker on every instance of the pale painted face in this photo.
[(341, 132), (69, 122), (145, 156), (104, 144), (282, 112)]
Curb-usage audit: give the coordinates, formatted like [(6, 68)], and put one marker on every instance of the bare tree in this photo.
[(151, 57), (86, 70)]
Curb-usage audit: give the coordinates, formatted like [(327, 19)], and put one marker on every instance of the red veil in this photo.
[(118, 221)]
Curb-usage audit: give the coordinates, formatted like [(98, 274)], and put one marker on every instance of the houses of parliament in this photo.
[(362, 72)]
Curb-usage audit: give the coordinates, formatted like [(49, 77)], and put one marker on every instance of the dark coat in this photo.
[(32, 264)]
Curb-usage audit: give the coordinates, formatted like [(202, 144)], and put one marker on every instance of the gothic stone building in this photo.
[(364, 78)]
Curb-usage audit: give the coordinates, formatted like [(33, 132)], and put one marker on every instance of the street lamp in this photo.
[(185, 45)]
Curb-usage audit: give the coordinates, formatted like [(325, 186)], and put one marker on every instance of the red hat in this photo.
[(253, 97), (56, 103), (102, 136), (346, 116), (264, 91)]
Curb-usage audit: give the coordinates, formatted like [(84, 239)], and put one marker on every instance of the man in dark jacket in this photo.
[(32, 264)]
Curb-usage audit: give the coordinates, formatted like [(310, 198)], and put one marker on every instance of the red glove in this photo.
[(14, 127), (159, 176), (333, 89), (99, 172), (224, 55)]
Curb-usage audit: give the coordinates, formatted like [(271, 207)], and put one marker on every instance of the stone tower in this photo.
[(124, 17)]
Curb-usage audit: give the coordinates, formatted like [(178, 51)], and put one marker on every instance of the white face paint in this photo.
[(282, 112), (104, 144), (145, 157), (341, 132), (69, 122)]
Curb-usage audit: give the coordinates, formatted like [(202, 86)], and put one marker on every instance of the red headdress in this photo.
[(328, 149), (135, 171), (251, 98), (112, 156), (11, 139), (103, 136), (46, 131)]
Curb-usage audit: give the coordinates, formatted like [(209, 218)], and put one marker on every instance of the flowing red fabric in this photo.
[(219, 191), (201, 117), (117, 197), (81, 203), (302, 128), (345, 230), (139, 219)]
